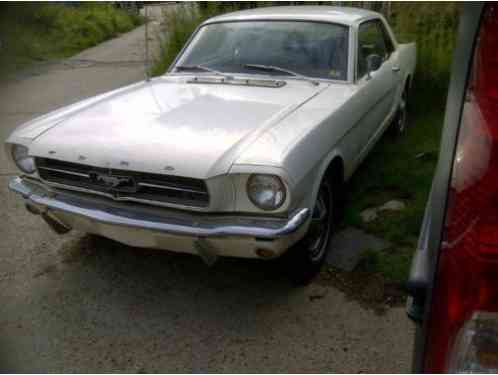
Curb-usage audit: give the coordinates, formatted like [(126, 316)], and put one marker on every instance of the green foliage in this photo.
[(393, 264), (433, 26), (43, 31)]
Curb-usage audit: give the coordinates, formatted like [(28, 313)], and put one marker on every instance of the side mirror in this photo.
[(373, 63)]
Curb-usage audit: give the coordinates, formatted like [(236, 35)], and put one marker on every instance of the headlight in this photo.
[(23, 161), (266, 191)]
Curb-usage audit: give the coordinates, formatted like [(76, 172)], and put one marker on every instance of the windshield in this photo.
[(312, 49)]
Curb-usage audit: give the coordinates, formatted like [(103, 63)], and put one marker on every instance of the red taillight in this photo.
[(466, 283)]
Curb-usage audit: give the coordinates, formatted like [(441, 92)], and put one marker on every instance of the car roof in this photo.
[(342, 15)]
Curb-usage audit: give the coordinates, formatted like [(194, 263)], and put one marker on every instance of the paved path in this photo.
[(71, 304)]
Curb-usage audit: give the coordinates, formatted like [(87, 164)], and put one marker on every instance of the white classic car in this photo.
[(241, 149)]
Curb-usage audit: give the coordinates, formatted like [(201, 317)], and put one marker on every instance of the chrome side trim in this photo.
[(193, 226)]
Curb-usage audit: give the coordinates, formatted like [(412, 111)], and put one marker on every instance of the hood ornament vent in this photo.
[(272, 83)]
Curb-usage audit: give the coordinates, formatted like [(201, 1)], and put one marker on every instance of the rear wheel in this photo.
[(304, 260)]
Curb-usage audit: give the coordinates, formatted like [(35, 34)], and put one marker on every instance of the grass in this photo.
[(393, 264), (399, 168), (32, 32)]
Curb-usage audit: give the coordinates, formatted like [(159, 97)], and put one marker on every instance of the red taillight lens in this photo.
[(466, 284)]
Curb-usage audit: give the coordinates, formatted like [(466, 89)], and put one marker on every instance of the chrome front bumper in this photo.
[(97, 215)]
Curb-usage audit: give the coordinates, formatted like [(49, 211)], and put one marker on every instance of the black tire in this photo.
[(303, 261), (399, 123)]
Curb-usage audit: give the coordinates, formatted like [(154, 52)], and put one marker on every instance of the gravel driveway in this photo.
[(80, 304)]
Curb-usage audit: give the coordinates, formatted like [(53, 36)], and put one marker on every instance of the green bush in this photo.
[(122, 22), (47, 16)]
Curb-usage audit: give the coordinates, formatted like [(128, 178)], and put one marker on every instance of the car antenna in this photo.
[(147, 74)]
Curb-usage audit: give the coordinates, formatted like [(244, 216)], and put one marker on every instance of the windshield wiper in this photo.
[(203, 68), (283, 70)]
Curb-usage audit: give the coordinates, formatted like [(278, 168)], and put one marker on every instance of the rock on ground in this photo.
[(348, 245)]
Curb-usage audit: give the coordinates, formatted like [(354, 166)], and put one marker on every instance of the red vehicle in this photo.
[(454, 277)]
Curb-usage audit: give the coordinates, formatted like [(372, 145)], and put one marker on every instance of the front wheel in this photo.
[(304, 260)]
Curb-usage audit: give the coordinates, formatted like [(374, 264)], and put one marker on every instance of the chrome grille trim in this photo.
[(166, 187), (67, 172), (155, 189)]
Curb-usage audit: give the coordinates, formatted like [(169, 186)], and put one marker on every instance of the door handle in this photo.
[(396, 69)]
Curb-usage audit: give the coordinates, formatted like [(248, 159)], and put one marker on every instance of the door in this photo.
[(377, 90)]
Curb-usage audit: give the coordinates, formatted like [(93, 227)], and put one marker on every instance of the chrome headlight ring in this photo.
[(266, 191), (20, 155)]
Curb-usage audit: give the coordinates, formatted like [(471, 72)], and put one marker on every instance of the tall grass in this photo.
[(40, 31), (433, 26)]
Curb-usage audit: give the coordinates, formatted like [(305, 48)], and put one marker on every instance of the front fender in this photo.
[(306, 189)]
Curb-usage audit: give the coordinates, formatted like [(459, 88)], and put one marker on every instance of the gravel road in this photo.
[(80, 304)]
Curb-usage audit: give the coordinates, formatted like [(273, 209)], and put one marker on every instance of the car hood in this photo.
[(169, 126)]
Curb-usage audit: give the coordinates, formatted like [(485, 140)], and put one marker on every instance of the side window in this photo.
[(370, 41), (387, 39)]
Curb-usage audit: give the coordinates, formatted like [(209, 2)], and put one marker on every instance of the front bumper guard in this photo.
[(204, 226)]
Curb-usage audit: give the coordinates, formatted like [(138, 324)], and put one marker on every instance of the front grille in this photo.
[(125, 185)]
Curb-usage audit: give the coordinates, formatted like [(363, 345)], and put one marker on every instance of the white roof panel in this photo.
[(342, 15)]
